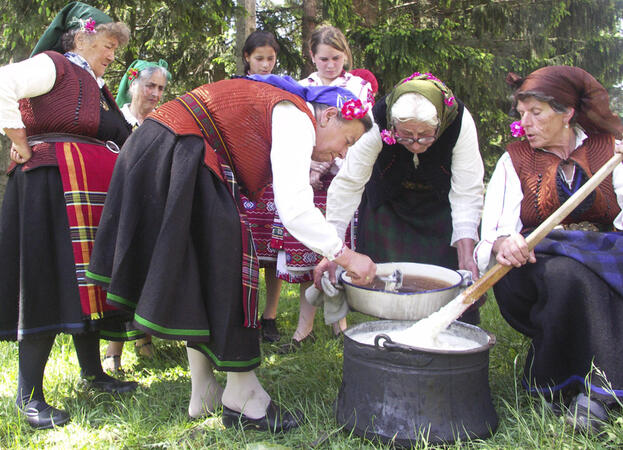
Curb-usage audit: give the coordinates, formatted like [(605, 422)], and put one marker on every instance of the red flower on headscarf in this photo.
[(132, 74)]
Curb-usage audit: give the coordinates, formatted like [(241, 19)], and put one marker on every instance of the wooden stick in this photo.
[(493, 275)]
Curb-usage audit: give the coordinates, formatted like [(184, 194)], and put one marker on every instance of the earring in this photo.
[(566, 125)]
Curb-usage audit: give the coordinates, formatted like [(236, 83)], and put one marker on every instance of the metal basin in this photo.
[(405, 305)]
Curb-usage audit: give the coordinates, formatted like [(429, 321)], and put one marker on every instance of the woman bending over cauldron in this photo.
[(63, 124), (174, 245), (140, 91), (424, 173), (567, 294)]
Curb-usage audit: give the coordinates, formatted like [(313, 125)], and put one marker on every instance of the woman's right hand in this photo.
[(20, 153), (513, 251), (359, 267), (20, 150)]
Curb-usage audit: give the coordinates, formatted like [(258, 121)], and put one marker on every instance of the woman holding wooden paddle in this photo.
[(567, 293)]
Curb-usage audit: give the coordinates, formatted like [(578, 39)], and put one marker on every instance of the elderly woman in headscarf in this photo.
[(566, 295), (65, 129), (140, 91), (424, 176), (174, 245)]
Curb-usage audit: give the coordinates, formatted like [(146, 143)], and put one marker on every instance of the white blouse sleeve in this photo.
[(466, 187), (501, 213), (29, 78), (346, 189), (617, 182), (293, 139)]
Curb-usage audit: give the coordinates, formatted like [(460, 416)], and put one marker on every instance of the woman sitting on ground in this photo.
[(564, 294)]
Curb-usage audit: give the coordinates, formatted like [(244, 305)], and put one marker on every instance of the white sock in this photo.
[(205, 397), (244, 393)]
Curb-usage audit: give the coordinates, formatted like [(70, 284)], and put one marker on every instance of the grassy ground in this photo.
[(155, 416)]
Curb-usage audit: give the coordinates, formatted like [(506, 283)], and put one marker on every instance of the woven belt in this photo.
[(67, 137)]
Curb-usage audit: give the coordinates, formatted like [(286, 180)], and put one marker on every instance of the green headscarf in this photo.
[(433, 89), (134, 70), (73, 15)]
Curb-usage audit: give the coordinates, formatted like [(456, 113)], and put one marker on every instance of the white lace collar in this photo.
[(81, 62)]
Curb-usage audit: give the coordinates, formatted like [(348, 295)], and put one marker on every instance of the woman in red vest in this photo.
[(566, 294), (65, 129), (174, 245)]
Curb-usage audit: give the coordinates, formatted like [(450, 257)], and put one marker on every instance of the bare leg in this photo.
[(205, 397), (339, 326), (273, 291), (306, 314), (244, 393), (144, 346), (112, 360)]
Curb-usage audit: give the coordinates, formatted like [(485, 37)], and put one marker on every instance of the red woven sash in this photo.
[(85, 172)]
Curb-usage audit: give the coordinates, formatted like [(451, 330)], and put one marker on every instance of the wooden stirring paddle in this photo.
[(431, 326)]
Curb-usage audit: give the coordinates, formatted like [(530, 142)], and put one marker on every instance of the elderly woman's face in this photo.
[(334, 136), (149, 92), (415, 136), (99, 52), (544, 127)]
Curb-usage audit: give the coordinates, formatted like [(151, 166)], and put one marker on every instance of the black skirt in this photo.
[(38, 287), (573, 318), (169, 248)]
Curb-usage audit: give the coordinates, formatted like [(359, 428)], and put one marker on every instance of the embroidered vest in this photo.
[(394, 173), (242, 112), (543, 188), (72, 106)]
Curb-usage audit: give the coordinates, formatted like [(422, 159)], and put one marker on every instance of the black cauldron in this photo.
[(402, 394)]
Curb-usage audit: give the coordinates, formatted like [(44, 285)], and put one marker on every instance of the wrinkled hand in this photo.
[(314, 180), (465, 254), (513, 251), (20, 154), (324, 266), (360, 268)]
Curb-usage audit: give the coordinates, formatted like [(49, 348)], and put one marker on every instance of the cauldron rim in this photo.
[(405, 348)]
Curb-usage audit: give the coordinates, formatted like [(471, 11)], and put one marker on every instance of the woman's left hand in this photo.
[(618, 146), (465, 253)]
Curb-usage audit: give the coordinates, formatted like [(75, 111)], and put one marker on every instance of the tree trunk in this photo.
[(310, 14), (245, 25)]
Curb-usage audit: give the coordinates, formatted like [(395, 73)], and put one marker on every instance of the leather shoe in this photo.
[(275, 420), (42, 416), (111, 385), (587, 415), (269, 330), (295, 344)]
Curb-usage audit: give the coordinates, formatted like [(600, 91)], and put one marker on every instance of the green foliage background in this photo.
[(471, 45)]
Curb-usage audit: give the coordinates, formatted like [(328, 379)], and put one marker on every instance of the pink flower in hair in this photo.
[(517, 130), (388, 137), (89, 26), (354, 109), (449, 101)]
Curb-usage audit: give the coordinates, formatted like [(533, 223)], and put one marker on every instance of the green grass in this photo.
[(156, 415)]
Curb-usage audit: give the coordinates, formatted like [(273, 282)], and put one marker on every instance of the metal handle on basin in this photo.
[(466, 278)]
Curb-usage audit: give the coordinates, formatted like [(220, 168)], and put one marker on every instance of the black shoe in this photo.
[(110, 385), (295, 344), (42, 416), (275, 420), (587, 415), (269, 330)]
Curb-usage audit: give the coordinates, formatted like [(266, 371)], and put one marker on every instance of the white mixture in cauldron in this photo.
[(446, 340)]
